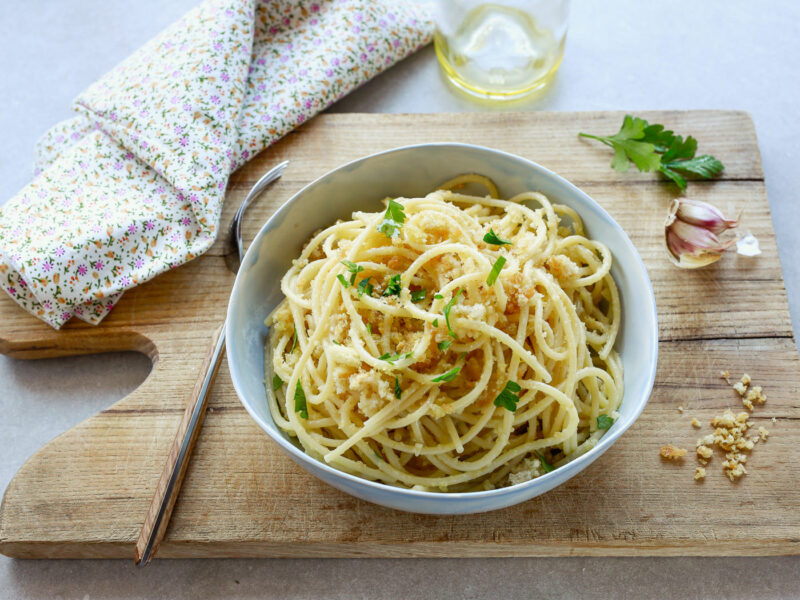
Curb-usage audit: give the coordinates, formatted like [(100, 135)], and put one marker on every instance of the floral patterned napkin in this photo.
[(134, 185)]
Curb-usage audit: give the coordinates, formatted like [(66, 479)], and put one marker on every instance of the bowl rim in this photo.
[(564, 472)]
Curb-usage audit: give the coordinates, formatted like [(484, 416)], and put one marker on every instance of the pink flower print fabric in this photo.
[(134, 184)]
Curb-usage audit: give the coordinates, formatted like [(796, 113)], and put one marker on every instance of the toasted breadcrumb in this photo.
[(763, 433), (670, 452), (695, 423), (680, 409), (725, 375), (704, 452), (774, 420), (699, 473)]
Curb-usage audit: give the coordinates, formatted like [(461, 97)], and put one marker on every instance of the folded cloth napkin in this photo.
[(133, 185)]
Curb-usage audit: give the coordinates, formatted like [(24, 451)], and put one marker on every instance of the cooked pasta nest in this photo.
[(444, 372)]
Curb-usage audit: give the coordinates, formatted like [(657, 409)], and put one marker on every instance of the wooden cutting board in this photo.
[(85, 493)]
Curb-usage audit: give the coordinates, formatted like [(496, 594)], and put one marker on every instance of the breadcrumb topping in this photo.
[(699, 473), (696, 423)]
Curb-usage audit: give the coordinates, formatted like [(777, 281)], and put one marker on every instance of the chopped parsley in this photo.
[(393, 358), (343, 281), (378, 456), (491, 238), (418, 296), (300, 401), (365, 287), (436, 322), (369, 328), (546, 466), (393, 219), (277, 383), (509, 397), (447, 308), (393, 289), (604, 422), (437, 296), (397, 391), (444, 345), (498, 264), (449, 376), (354, 270), (294, 340)]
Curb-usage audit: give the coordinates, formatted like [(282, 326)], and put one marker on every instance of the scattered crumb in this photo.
[(725, 375), (745, 379), (763, 434), (670, 452), (704, 452), (695, 422), (699, 473), (680, 409), (741, 385), (774, 420), (756, 395)]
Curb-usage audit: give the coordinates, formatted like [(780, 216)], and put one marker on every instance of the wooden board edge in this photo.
[(178, 550)]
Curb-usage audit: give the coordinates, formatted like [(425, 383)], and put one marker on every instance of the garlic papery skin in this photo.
[(690, 234)]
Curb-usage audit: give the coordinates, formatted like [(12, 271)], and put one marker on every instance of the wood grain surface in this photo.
[(85, 493)]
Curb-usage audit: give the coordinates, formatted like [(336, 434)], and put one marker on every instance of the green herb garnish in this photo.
[(437, 296), (393, 358), (498, 264), (546, 466), (397, 391), (509, 397), (378, 456), (447, 308), (654, 148), (294, 340), (365, 287), (393, 289), (354, 270), (436, 322), (369, 328), (393, 219), (418, 296), (491, 238), (277, 383), (300, 401), (604, 422), (449, 376), (444, 345), (343, 281)]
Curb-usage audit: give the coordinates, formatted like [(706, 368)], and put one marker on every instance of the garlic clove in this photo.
[(702, 214), (690, 233)]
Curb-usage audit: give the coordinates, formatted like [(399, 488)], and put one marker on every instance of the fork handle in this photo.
[(169, 485)]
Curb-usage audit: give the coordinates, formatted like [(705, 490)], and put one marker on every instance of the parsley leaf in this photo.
[(437, 296), (393, 358), (444, 345), (491, 238), (654, 148), (354, 270), (397, 391), (277, 383), (449, 376), (604, 422), (369, 328), (498, 264), (294, 340), (393, 219), (393, 289), (365, 287), (418, 296), (436, 322), (447, 308), (509, 397), (300, 401), (378, 456), (546, 466), (343, 281)]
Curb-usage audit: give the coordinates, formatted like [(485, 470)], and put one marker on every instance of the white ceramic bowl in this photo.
[(414, 171)]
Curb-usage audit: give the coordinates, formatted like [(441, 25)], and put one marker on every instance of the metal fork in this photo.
[(169, 485)]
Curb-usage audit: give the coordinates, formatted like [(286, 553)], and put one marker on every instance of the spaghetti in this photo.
[(451, 343)]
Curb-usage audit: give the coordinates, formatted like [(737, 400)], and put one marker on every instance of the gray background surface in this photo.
[(620, 54)]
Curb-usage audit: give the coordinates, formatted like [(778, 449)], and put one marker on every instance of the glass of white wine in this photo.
[(500, 50)]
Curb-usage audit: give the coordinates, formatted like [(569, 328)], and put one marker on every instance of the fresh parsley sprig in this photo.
[(449, 376), (354, 270), (654, 148), (447, 309), (277, 383), (393, 289), (393, 219), (604, 422), (418, 296), (495, 272), (546, 466)]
